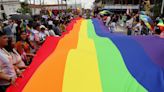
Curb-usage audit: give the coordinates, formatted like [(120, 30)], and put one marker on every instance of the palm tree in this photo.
[(162, 7), (30, 2), (58, 4), (40, 2)]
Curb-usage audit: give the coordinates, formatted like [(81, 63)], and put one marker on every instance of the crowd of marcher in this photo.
[(133, 23), (20, 40)]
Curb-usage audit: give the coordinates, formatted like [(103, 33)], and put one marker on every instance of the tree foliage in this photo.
[(24, 8)]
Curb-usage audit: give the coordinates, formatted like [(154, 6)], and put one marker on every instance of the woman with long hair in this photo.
[(23, 48), (16, 58)]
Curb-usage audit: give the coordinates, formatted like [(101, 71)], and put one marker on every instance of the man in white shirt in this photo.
[(42, 34), (129, 25), (7, 71)]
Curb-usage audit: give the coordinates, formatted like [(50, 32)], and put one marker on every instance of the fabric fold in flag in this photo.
[(88, 58), (81, 72)]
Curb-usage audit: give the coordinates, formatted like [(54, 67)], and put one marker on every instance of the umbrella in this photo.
[(15, 17), (148, 21), (26, 17), (19, 17), (105, 12), (143, 12), (146, 18), (161, 25)]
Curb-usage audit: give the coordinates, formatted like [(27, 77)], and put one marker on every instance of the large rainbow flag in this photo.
[(88, 58)]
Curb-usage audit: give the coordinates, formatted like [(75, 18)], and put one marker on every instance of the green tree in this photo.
[(24, 8), (157, 7)]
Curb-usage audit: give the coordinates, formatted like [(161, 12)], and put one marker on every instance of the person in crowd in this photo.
[(124, 18), (10, 29), (145, 30), (156, 27), (121, 21), (50, 22), (62, 26), (7, 72), (23, 48), (34, 37), (46, 31), (137, 28), (42, 34), (51, 31), (113, 26), (16, 58), (56, 27), (108, 20), (129, 24)]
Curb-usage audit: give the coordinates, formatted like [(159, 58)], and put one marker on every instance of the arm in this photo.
[(22, 67), (7, 78), (4, 76), (30, 54), (18, 72)]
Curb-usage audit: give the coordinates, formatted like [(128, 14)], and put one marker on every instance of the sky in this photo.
[(85, 3)]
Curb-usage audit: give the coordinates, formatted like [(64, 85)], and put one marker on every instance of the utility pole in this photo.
[(1, 8), (66, 4), (154, 7), (75, 4), (121, 6), (43, 2), (61, 4), (30, 2), (34, 7), (40, 2), (58, 4), (162, 6)]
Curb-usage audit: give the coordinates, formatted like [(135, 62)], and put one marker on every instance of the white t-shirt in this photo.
[(50, 22), (52, 33), (34, 36), (42, 36), (138, 27), (47, 33), (14, 28), (108, 20), (129, 23), (7, 66)]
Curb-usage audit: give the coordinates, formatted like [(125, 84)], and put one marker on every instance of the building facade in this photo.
[(134, 2), (122, 5), (36, 8), (8, 7)]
